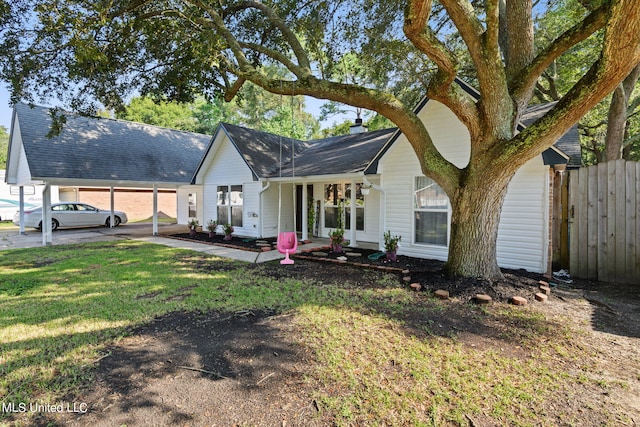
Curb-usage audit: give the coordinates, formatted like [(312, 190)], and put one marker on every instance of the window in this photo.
[(230, 205), (359, 207), (192, 205), (431, 212), (337, 206), (332, 200)]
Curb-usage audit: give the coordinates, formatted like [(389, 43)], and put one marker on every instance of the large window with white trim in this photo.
[(337, 205), (230, 202), (431, 212)]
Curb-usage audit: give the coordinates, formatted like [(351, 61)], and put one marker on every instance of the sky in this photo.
[(5, 110), (312, 106)]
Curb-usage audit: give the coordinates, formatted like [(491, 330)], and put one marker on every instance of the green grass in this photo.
[(382, 356)]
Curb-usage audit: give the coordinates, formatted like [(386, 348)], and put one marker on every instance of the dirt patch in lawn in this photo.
[(249, 368)]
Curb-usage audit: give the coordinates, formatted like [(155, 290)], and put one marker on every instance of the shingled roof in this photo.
[(569, 143), (328, 156), (102, 149)]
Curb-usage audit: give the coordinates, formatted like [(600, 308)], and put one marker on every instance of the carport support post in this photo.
[(21, 196), (111, 194), (47, 237), (155, 210)]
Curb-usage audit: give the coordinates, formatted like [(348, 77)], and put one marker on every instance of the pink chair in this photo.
[(287, 244)]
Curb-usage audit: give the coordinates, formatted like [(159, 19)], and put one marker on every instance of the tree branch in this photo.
[(417, 15), (526, 79)]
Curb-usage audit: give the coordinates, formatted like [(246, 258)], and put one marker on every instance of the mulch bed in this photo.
[(426, 272), (246, 244)]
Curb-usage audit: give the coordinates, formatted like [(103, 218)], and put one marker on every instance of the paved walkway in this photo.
[(11, 239)]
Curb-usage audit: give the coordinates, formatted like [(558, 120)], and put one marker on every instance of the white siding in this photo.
[(523, 230), (270, 211), (523, 234), (228, 168), (182, 204)]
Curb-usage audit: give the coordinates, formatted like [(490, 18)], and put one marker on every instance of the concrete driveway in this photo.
[(11, 239)]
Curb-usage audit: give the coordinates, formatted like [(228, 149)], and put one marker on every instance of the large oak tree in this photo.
[(82, 50)]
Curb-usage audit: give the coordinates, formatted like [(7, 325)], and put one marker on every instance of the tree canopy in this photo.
[(4, 147), (90, 52)]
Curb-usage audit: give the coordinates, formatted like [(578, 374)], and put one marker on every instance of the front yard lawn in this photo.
[(336, 345)]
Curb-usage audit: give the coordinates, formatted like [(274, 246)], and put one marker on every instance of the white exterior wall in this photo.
[(228, 168), (18, 158), (523, 233), (523, 230), (182, 204)]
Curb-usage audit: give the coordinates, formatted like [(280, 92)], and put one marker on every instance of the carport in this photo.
[(97, 152)]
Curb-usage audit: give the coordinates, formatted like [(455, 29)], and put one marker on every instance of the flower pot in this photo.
[(336, 248), (212, 234), (192, 232), (391, 256), (228, 237)]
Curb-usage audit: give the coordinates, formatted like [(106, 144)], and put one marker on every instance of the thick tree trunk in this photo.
[(476, 210), (618, 116)]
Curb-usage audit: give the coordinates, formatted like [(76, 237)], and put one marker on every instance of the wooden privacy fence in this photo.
[(604, 222)]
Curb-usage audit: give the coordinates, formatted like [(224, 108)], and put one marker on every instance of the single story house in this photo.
[(262, 183)]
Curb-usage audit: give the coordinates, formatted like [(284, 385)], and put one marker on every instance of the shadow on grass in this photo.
[(215, 351)]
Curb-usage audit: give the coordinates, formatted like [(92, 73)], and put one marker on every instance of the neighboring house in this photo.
[(9, 197), (245, 181)]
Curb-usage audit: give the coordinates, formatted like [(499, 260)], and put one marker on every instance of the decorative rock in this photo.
[(318, 253), (342, 258), (541, 297), (442, 294), (482, 299), (406, 279), (263, 244), (543, 283), (518, 301), (261, 241), (406, 272), (416, 286), (545, 290), (266, 248)]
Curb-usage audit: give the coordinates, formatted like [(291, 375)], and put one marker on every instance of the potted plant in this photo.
[(391, 245), (366, 189), (228, 230), (337, 239), (212, 226), (193, 225)]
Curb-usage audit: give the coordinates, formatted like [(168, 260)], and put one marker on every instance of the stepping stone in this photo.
[(541, 297), (545, 290), (416, 286), (262, 241), (353, 254), (518, 301), (318, 253), (263, 244), (442, 294), (482, 299)]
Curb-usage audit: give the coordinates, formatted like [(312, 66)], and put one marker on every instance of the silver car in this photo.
[(70, 214)]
